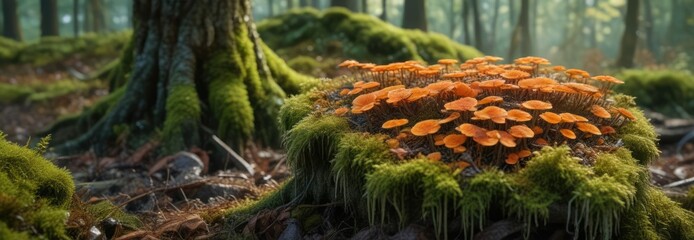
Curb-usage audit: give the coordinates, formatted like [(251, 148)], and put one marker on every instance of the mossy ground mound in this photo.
[(52, 49), (603, 193), (338, 33), (11, 93), (34, 195), (675, 91)]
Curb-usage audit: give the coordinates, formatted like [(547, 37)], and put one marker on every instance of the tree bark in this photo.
[(270, 7), (414, 16), (466, 17), (648, 27), (479, 29), (49, 18), (492, 28), (304, 3), (10, 20), (95, 16), (352, 5), (75, 18), (384, 12), (290, 4), (629, 38), (451, 18), (365, 6), (196, 65), (520, 40)]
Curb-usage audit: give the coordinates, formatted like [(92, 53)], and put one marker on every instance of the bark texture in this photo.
[(628, 45), (196, 67), (10, 20), (49, 18), (520, 38), (95, 16), (415, 16)]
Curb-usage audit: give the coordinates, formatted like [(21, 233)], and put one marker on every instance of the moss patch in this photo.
[(32, 189), (675, 90)]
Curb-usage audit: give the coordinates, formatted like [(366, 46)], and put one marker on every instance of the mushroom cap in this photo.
[(398, 95), (454, 140), (607, 130), (563, 88), (440, 86), (536, 83), (370, 85), (494, 83), (363, 103), (532, 60), (524, 153), (568, 117), (541, 142), (490, 99), (507, 139), (518, 115), (496, 114), (348, 63), (488, 139), (393, 143), (588, 128), (558, 68), (394, 123), (470, 130), (417, 93), (581, 87), (626, 113), (383, 93), (463, 90), (447, 61), (450, 118), (551, 117), (577, 72), (600, 112), (521, 131), (492, 59), (537, 130), (344, 91), (536, 105), (438, 139), (567, 133), (462, 104), (514, 74), (435, 156), (341, 111), (512, 159), (459, 149), (609, 79), (425, 127), (355, 90)]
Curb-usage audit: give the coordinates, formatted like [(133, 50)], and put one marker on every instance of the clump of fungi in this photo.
[(481, 113)]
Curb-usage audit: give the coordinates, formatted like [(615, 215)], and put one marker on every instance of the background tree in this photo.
[(479, 28), (352, 5), (10, 20), (415, 15), (94, 16), (520, 40), (384, 10), (197, 69), (467, 39), (629, 38), (75, 18), (49, 18)]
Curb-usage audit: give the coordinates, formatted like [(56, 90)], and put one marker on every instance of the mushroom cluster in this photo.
[(479, 112)]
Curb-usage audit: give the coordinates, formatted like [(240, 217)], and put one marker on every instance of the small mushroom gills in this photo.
[(425, 127), (600, 112), (536, 105), (518, 115), (626, 113)]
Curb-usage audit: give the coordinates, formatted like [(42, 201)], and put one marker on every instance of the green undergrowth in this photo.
[(52, 49), (37, 92), (338, 32), (34, 194), (675, 90), (608, 199)]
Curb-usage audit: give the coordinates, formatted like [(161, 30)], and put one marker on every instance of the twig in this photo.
[(680, 183)]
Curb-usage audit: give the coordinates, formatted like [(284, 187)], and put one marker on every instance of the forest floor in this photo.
[(170, 194)]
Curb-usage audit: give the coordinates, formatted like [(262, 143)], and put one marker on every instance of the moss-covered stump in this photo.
[(460, 148), (675, 90), (338, 32), (52, 49), (34, 195), (200, 71)]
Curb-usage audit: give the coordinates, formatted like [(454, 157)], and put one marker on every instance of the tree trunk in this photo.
[(466, 17), (270, 4), (304, 3), (316, 4), (94, 16), (49, 18), (364, 6), (479, 29), (451, 18), (521, 34), (648, 27), (10, 20), (492, 28), (198, 68), (290, 4), (352, 5), (512, 11), (628, 45), (414, 16), (75, 18), (384, 12)]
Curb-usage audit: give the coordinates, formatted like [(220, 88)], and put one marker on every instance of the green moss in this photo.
[(32, 189), (182, 118), (13, 93), (53, 49), (337, 31), (554, 170), (289, 80), (311, 145), (639, 136), (413, 189), (479, 195), (294, 109), (655, 216), (357, 155), (105, 209), (304, 64), (8, 49), (675, 90), (36, 92)]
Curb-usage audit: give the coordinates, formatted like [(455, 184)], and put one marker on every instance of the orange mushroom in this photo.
[(495, 83), (393, 143), (488, 139), (609, 79), (462, 104), (447, 61), (626, 113), (541, 142), (551, 117), (519, 115), (370, 85), (463, 90), (348, 63), (341, 111), (537, 130), (435, 156), (607, 130), (512, 159), (507, 139), (568, 117), (394, 123), (515, 74), (536, 105), (425, 127), (417, 93), (536, 83), (470, 130), (581, 87), (521, 131), (524, 153), (398, 95), (600, 112), (496, 114), (450, 118), (588, 128), (440, 86), (490, 99), (454, 140), (567, 133), (363, 103)]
